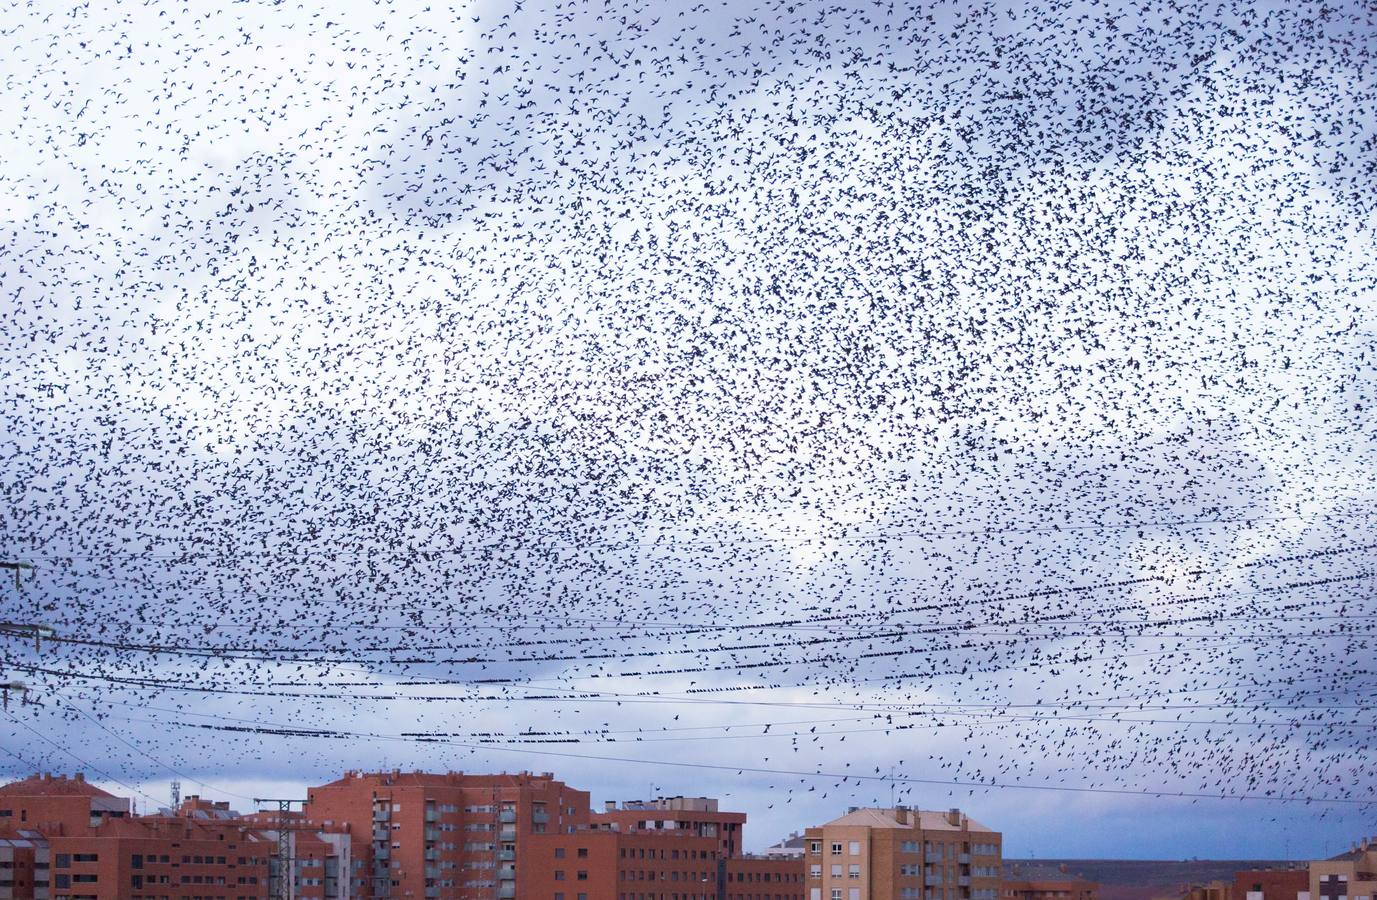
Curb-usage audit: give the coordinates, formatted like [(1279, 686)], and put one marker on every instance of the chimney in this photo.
[(901, 815), (954, 817), (609, 805)]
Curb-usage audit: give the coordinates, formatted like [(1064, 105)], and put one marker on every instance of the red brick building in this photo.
[(45, 803), (1271, 884), (383, 835), (763, 878), (418, 835), (608, 864), (154, 857), (23, 865), (695, 815)]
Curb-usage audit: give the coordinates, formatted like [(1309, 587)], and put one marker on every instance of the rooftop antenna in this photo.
[(176, 796)]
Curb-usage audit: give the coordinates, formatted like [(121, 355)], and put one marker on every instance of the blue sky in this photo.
[(977, 393)]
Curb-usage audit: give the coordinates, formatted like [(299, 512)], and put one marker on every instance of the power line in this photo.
[(990, 785)]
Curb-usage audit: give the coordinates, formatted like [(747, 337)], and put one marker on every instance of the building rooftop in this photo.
[(928, 820), (50, 786)]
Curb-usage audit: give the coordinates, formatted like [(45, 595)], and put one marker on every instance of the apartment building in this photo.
[(694, 815), (903, 854), (85, 845), (763, 878), (451, 835), (46, 802), (161, 858), (605, 863), (23, 866), (1347, 876)]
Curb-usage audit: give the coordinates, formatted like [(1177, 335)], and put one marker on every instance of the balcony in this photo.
[(964, 858), (432, 834), (963, 880), (506, 890), (507, 873), (932, 879), (508, 833), (507, 816), (506, 855), (381, 834), (432, 855), (540, 817), (382, 815)]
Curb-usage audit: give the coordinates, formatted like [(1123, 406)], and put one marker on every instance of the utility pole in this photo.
[(283, 889), (17, 567), (38, 631)]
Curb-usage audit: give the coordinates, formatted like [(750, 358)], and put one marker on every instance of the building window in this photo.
[(559, 853), (836, 848), (815, 846), (583, 853), (836, 894), (559, 874), (855, 848), (582, 876), (836, 870), (853, 893), (854, 871)]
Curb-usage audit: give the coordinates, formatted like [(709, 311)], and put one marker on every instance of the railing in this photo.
[(932, 880), (507, 816), (540, 817)]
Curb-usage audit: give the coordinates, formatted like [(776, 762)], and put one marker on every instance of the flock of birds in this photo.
[(988, 384)]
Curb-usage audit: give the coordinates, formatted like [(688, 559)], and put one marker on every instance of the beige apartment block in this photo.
[(902, 854)]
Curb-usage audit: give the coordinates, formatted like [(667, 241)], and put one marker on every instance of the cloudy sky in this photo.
[(964, 405)]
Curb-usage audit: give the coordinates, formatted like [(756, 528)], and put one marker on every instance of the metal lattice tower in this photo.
[(283, 889)]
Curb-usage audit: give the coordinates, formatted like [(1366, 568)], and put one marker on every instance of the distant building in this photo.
[(902, 854), (791, 847), (1215, 890), (1047, 883)]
